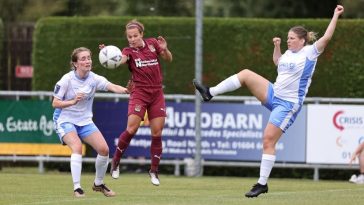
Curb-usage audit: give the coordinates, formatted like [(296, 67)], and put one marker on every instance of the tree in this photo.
[(10, 9), (353, 8), (271, 9), (159, 8)]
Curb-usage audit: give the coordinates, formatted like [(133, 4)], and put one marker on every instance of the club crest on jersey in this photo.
[(151, 48), (138, 108)]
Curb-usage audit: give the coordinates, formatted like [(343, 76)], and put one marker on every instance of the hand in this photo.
[(130, 86), (78, 97), (277, 41), (339, 10), (126, 91), (101, 46), (162, 43), (352, 159)]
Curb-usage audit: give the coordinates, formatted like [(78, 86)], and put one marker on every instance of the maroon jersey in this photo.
[(144, 64)]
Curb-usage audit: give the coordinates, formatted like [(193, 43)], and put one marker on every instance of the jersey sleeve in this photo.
[(101, 82), (156, 45), (126, 52), (312, 52), (61, 87)]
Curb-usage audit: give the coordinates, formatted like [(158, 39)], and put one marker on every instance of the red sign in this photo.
[(24, 71)]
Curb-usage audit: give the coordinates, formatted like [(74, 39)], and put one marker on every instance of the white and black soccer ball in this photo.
[(110, 57)]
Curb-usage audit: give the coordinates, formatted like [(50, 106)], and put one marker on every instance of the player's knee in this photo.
[(132, 129), (244, 71), (103, 151), (156, 132), (268, 142), (77, 149), (243, 74)]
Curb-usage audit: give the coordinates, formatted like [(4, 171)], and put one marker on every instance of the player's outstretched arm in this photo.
[(324, 40), (117, 88)]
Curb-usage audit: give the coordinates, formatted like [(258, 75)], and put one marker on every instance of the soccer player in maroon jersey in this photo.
[(142, 57)]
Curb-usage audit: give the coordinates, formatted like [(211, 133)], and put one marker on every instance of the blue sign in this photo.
[(230, 131)]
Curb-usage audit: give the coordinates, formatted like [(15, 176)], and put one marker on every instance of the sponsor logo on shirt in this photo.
[(139, 63), (286, 66)]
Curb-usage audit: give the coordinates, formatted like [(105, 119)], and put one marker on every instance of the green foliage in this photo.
[(158, 7), (2, 31), (10, 9), (270, 9), (55, 38), (229, 45), (353, 9)]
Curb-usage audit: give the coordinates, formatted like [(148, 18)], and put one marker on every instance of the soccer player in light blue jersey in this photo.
[(285, 97), (73, 98)]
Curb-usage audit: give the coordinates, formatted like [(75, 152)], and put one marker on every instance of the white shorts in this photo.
[(283, 112)]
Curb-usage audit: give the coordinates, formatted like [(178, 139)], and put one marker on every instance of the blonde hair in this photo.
[(301, 32), (74, 55), (134, 24)]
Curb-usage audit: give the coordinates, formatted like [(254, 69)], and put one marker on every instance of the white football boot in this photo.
[(154, 178), (353, 178)]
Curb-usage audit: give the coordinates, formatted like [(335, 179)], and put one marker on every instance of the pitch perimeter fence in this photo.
[(217, 118)]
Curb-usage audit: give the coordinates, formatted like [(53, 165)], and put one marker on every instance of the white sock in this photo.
[(76, 167), (229, 84), (101, 167), (265, 167)]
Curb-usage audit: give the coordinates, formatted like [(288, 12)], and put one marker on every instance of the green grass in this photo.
[(26, 186)]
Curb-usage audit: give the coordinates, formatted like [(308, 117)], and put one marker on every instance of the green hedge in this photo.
[(229, 44), (1, 51)]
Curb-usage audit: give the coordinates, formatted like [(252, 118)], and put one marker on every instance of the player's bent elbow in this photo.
[(54, 105)]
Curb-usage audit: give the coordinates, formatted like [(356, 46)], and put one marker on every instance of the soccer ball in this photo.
[(110, 57)]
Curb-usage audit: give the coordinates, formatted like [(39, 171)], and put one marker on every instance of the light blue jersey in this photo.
[(67, 88), (295, 70)]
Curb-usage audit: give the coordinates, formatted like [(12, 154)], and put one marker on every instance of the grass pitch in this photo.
[(26, 187)]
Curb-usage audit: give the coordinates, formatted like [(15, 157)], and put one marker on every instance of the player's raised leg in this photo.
[(123, 143), (255, 83)]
